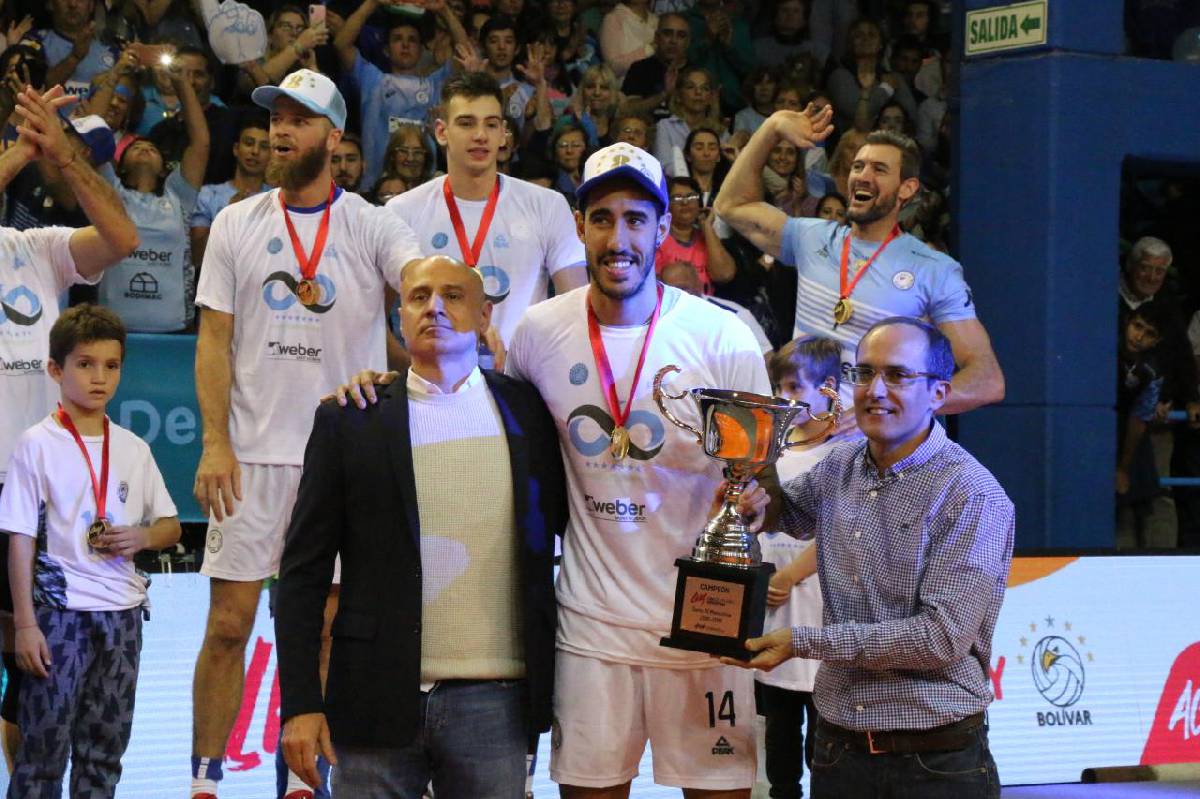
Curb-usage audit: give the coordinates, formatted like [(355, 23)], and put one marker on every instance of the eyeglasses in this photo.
[(893, 376), (410, 152), (685, 198), (570, 145)]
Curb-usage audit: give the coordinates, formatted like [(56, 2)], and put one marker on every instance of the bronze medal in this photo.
[(842, 311), (307, 292), (95, 531), (619, 447)]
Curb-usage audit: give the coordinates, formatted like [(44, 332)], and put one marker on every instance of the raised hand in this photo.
[(42, 126), (17, 29), (468, 57), (534, 68)]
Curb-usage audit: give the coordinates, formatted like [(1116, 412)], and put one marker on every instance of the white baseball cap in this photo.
[(312, 90), (622, 160)]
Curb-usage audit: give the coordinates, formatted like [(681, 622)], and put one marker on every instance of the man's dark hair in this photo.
[(814, 358), (939, 356), (210, 62), (683, 180), (910, 153), (84, 324), (352, 138), (423, 28), (1159, 314), (470, 85), (253, 120), (499, 22)]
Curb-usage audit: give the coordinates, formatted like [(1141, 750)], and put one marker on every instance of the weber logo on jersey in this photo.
[(287, 351), (615, 510)]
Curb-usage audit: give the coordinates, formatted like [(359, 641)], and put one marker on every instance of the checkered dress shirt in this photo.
[(913, 566)]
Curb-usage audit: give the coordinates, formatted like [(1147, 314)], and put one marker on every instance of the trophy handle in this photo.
[(660, 392), (830, 417)]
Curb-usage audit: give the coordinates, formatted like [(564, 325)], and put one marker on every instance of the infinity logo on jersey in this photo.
[(11, 305), (584, 419), (278, 300), (496, 284)]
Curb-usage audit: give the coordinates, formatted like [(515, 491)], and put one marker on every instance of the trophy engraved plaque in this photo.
[(721, 591)]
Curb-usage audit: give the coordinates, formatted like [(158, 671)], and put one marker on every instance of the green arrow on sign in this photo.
[(1030, 24)]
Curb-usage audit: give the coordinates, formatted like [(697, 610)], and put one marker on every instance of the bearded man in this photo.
[(292, 299), (852, 277)]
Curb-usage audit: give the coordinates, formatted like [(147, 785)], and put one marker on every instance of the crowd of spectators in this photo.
[(173, 128), (688, 80)]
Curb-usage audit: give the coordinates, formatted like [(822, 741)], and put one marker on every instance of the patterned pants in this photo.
[(84, 709)]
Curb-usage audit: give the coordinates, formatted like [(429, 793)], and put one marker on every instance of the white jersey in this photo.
[(532, 236), (631, 520), (35, 268), (286, 355), (49, 496), (804, 607)]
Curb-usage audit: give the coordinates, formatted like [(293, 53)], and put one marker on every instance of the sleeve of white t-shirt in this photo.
[(514, 361), (950, 298), (217, 289), (51, 247), (564, 247), (395, 244), (159, 504), (23, 490)]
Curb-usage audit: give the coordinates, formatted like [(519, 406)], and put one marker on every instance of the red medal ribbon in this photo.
[(846, 291), (605, 370), (308, 264), (99, 488), (470, 252)]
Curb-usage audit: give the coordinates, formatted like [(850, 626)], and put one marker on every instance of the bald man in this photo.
[(446, 624)]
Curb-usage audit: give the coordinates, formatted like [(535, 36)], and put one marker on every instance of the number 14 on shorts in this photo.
[(723, 711)]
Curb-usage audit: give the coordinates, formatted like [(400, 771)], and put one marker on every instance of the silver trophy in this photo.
[(721, 593)]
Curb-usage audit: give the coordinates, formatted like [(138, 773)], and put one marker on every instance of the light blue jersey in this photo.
[(908, 279), (152, 289), (100, 58), (212, 198), (385, 97)]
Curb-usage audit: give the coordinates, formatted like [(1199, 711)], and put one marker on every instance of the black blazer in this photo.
[(357, 497)]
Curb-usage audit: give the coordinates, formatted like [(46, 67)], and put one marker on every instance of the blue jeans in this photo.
[(841, 772), (471, 742)]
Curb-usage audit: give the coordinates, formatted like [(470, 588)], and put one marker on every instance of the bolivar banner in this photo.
[(1096, 663)]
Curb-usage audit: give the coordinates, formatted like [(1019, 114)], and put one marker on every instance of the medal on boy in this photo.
[(95, 532), (619, 446)]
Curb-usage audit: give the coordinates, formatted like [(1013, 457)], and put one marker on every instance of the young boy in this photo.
[(83, 496), (797, 371), (1140, 378)]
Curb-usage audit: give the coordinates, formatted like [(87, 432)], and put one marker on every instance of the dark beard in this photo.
[(882, 207), (301, 172), (623, 294)]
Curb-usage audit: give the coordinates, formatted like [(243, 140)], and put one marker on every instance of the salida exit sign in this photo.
[(1006, 27)]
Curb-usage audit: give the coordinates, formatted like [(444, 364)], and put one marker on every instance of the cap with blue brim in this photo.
[(623, 161), (312, 90)]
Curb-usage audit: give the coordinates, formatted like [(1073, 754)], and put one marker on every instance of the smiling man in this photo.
[(292, 293), (851, 277), (907, 636), (520, 237)]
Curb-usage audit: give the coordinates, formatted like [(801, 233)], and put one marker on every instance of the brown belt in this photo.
[(947, 738)]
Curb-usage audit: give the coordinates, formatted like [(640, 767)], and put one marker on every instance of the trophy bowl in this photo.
[(721, 591)]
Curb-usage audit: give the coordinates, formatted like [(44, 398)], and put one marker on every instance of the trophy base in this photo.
[(718, 606)]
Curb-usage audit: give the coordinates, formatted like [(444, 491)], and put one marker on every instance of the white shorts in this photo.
[(247, 546), (700, 724)]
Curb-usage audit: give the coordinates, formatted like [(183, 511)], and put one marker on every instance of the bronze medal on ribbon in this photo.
[(842, 311), (619, 445), (95, 532), (307, 292)]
